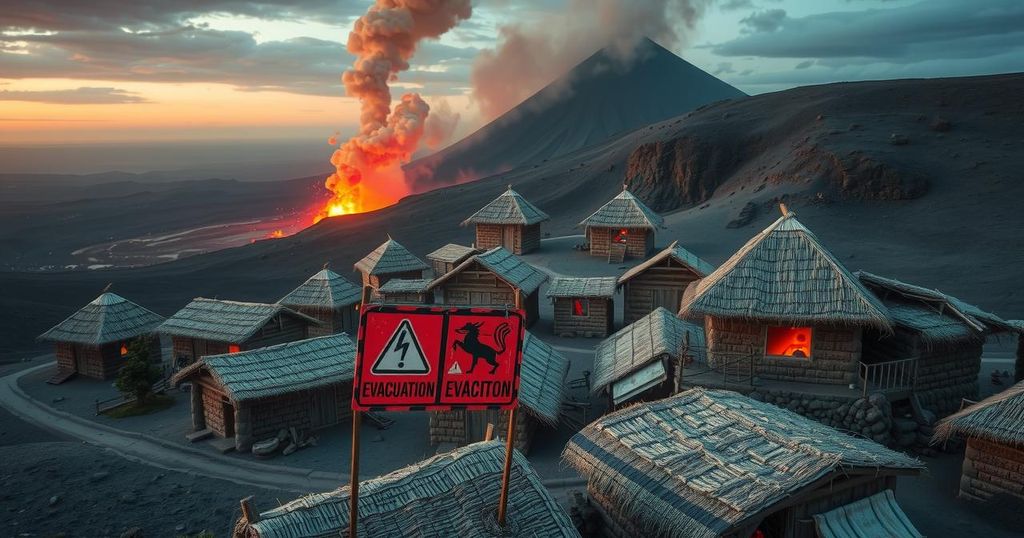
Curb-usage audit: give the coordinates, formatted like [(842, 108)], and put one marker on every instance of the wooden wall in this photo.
[(798, 521), (454, 427), (476, 286), (835, 352), (339, 320), (516, 238), (661, 285), (639, 241), (597, 323), (406, 298), (97, 362), (992, 470)]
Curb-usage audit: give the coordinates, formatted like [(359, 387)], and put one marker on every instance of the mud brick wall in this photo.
[(344, 398), (65, 356), (595, 324), (639, 241), (947, 374), (992, 469), (324, 316), (450, 427), (269, 415), (213, 409), (835, 352), (488, 236)]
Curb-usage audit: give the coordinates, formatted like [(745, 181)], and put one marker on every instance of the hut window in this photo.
[(124, 349), (621, 236), (788, 342), (234, 348), (580, 308)]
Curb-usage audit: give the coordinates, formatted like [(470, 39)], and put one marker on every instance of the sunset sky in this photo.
[(75, 72)]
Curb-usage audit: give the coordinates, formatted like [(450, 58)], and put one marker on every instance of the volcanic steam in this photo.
[(367, 168)]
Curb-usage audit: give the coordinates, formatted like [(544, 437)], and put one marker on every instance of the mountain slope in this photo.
[(599, 98)]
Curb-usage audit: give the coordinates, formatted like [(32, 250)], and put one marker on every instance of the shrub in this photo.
[(138, 374)]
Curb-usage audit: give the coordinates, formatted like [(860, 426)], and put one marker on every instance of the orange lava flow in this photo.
[(276, 234)]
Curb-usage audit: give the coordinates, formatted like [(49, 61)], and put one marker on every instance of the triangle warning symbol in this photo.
[(455, 369), (403, 354)]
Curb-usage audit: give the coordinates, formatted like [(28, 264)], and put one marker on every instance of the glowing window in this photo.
[(621, 236), (580, 307), (788, 342), (124, 349), (234, 348)]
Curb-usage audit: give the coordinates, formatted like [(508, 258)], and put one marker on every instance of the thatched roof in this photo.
[(507, 266), (225, 321), (936, 316), (600, 287), (673, 252), (451, 494), (542, 380), (326, 289), (509, 208), (998, 418), (389, 258), (623, 211), (452, 253), (707, 462), (404, 285), (641, 343), (784, 274), (877, 515), (107, 318), (281, 369)]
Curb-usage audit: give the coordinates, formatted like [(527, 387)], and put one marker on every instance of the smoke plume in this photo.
[(528, 58), (368, 171)]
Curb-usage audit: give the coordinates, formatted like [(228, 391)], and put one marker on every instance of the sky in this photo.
[(132, 71)]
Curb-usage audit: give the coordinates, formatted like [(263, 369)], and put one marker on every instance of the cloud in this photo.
[(77, 96), (764, 21), (734, 5)]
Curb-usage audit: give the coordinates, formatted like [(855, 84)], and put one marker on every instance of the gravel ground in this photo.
[(56, 487)]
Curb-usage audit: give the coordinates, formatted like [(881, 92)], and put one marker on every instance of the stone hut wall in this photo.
[(869, 417), (213, 408), (450, 427), (992, 469), (946, 375)]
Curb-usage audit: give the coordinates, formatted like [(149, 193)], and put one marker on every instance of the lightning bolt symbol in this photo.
[(402, 345)]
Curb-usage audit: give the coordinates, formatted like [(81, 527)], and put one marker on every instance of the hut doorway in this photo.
[(670, 299), (79, 359), (229, 418), (324, 409), (508, 237)]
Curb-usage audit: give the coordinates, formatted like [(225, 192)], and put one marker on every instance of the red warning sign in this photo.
[(435, 358)]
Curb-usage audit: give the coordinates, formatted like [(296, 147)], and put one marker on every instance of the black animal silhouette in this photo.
[(478, 350)]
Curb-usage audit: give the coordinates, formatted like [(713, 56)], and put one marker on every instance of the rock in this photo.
[(880, 438), (897, 139), (860, 415), (54, 500), (746, 216), (905, 440), (879, 427), (181, 527), (878, 399), (873, 415), (99, 475), (134, 532), (842, 410), (816, 405), (903, 425)]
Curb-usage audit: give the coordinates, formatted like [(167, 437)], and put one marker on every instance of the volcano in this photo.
[(601, 97)]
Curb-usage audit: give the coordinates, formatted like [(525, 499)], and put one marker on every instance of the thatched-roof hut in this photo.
[(711, 463), (641, 361), (449, 257), (583, 306), (787, 298), (251, 395), (994, 458), (509, 221), (496, 278), (331, 299), (214, 327), (93, 341), (660, 281), (403, 291), (451, 494), (622, 228), (389, 260), (541, 393), (939, 334)]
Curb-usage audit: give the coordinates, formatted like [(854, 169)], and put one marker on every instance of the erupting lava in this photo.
[(367, 168)]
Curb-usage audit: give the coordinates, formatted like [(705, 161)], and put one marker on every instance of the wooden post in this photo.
[(247, 514), (353, 500), (505, 476), (489, 434)]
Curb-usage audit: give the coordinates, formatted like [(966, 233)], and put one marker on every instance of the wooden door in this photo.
[(229, 418), (671, 299), (476, 424), (80, 360), (508, 238), (323, 408)]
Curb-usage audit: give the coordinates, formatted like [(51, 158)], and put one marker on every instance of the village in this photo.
[(780, 393)]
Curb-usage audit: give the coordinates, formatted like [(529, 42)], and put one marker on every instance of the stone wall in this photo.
[(946, 375), (992, 469), (870, 417), (450, 427), (835, 352)]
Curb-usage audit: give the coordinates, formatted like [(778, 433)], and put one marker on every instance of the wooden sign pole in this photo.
[(353, 499), (505, 476)]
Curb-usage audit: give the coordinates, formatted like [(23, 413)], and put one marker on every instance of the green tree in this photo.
[(138, 374)]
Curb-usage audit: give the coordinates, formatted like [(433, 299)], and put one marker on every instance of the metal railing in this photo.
[(736, 368), (890, 376)]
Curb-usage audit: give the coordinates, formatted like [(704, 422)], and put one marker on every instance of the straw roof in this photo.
[(389, 258), (451, 494), (601, 287), (641, 343), (707, 462), (107, 318), (452, 253), (998, 418), (542, 380), (784, 274), (404, 285), (673, 252), (224, 321), (281, 369), (877, 515), (937, 316), (509, 208), (507, 266), (623, 211), (325, 289)]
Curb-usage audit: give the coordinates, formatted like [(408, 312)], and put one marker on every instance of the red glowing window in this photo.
[(124, 349), (621, 236), (580, 307), (234, 348), (788, 342)]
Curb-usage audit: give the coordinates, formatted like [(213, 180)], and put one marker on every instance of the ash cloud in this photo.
[(79, 96)]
